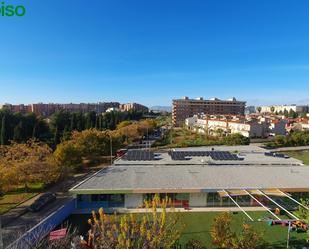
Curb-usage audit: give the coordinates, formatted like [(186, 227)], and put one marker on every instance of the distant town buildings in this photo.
[(46, 110), (284, 108), (185, 108), (257, 127), (250, 109), (133, 107)]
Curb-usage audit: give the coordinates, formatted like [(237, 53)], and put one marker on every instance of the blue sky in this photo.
[(152, 51)]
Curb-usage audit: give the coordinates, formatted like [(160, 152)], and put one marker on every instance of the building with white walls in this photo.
[(284, 108), (192, 178)]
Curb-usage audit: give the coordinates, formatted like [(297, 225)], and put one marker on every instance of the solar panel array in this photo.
[(276, 155), (139, 155), (215, 155)]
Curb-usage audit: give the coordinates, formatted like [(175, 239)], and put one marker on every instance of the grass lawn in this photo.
[(19, 195), (198, 226), (301, 155)]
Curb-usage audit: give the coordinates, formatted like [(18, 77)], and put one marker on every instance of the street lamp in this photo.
[(111, 147)]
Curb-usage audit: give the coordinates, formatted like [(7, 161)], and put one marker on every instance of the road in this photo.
[(19, 220)]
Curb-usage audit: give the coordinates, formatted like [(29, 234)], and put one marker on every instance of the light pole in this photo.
[(288, 240), (111, 147)]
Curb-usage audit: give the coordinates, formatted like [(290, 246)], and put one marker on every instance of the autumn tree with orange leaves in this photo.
[(224, 238), (26, 163), (151, 230)]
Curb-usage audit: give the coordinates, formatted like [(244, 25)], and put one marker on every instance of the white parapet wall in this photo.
[(197, 200), (133, 200)]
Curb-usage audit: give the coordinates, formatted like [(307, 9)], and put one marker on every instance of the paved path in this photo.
[(18, 220), (291, 148)]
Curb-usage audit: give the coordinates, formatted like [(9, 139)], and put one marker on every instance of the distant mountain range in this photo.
[(161, 108)]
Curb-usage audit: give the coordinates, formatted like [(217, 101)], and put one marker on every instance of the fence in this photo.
[(35, 234)]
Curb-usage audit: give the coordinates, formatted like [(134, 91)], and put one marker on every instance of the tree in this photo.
[(18, 132), (236, 139), (73, 121), (149, 230), (302, 212), (259, 109), (4, 132), (286, 113), (272, 109), (223, 237), (293, 114), (56, 136), (25, 163), (68, 156), (124, 124), (90, 145), (221, 233)]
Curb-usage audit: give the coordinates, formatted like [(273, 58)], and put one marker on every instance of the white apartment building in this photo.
[(247, 127), (282, 108), (215, 126)]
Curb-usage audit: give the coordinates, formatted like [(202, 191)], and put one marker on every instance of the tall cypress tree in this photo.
[(4, 132), (73, 121), (56, 136), (18, 135)]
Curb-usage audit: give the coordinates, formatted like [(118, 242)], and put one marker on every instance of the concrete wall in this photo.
[(197, 200), (133, 200)]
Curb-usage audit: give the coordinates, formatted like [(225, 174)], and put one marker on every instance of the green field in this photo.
[(198, 226), (301, 155), (19, 195)]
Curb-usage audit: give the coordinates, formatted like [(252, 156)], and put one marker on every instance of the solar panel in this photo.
[(139, 155), (215, 155)]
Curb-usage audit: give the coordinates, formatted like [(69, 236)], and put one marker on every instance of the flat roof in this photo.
[(200, 174), (252, 155), (197, 178)]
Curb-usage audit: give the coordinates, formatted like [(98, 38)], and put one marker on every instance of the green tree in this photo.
[(73, 121), (4, 131), (236, 139), (56, 136), (18, 132)]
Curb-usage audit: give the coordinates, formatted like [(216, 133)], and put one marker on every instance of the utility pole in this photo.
[(111, 148)]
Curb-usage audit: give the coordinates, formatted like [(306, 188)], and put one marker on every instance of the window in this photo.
[(113, 200), (213, 199)]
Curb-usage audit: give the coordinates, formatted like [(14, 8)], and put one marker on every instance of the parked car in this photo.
[(121, 152), (41, 202)]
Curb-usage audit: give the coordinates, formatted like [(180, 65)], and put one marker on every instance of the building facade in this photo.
[(284, 108), (198, 181), (249, 127), (45, 110), (133, 107), (185, 108)]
